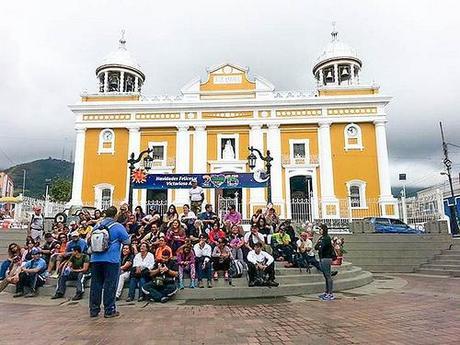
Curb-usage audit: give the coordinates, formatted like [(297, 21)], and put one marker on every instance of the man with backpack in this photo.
[(105, 246)]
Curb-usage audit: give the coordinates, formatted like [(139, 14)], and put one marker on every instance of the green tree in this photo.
[(60, 190)]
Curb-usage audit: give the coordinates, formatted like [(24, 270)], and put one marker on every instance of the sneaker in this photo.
[(181, 285), (322, 295), (129, 299), (58, 295), (209, 284), (141, 299), (109, 316), (200, 284), (172, 293), (33, 293), (330, 297), (192, 285), (251, 283), (18, 294), (273, 283), (55, 275), (164, 299), (334, 273), (94, 315), (77, 297)]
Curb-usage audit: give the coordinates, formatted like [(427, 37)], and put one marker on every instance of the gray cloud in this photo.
[(51, 49)]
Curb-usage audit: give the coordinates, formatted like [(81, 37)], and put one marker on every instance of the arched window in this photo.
[(103, 196), (106, 141), (353, 137), (357, 193)]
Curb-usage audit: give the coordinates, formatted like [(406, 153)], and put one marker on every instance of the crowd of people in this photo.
[(160, 252)]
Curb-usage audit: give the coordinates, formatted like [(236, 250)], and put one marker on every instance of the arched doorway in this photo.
[(301, 188)]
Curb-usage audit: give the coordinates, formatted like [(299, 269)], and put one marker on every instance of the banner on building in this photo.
[(142, 180)]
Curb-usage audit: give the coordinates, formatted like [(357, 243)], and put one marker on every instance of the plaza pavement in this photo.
[(394, 310)]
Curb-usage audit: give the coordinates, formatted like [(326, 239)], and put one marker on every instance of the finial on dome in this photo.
[(334, 32), (122, 39)]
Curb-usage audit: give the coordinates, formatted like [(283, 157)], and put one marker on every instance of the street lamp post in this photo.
[(148, 162), (252, 159)]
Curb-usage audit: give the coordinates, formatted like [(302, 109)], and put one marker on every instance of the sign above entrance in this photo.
[(215, 181)]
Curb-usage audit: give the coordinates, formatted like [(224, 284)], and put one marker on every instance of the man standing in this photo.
[(196, 194), (36, 225), (32, 275), (105, 266), (76, 270)]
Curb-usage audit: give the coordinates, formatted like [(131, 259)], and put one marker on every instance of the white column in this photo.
[(336, 74), (382, 158), (134, 146), (136, 84), (256, 139), (77, 184), (321, 77), (106, 81), (182, 161), (122, 81), (352, 75), (200, 151), (326, 170), (274, 145)]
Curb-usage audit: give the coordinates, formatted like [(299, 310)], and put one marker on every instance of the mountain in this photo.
[(37, 172)]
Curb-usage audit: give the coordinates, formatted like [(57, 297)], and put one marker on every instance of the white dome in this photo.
[(120, 58), (336, 49)]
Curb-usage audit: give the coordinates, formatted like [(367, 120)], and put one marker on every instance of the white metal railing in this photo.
[(161, 206), (224, 203)]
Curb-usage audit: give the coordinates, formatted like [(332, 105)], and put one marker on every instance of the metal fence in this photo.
[(223, 203), (161, 206)]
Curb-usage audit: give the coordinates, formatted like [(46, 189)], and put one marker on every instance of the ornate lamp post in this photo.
[(252, 159), (147, 164)]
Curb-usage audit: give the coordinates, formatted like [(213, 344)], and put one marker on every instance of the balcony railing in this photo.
[(311, 159)]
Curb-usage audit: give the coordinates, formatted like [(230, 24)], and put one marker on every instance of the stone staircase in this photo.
[(292, 282), (446, 264)]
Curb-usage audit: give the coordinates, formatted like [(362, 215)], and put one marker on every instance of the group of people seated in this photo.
[(164, 250)]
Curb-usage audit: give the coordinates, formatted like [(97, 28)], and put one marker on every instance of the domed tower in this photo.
[(338, 64), (119, 72)]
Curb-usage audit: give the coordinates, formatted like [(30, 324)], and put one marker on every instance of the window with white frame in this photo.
[(106, 141), (159, 152), (103, 195), (357, 193), (299, 151), (353, 137), (228, 146)]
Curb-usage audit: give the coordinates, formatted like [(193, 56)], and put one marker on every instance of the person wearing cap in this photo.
[(196, 194), (32, 275), (36, 225), (203, 252), (260, 261), (76, 270), (163, 275)]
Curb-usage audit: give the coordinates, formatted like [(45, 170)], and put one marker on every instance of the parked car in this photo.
[(71, 214), (390, 225)]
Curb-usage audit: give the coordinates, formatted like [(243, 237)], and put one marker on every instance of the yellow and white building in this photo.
[(329, 146)]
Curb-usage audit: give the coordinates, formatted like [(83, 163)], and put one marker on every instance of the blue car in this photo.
[(390, 225)]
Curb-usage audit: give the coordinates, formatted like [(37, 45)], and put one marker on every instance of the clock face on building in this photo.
[(352, 131), (107, 136)]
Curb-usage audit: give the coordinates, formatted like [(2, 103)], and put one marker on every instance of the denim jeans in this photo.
[(136, 283), (104, 276), (325, 265), (203, 272), (3, 268), (78, 277), (158, 292), (31, 280)]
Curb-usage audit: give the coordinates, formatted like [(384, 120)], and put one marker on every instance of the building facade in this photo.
[(329, 145)]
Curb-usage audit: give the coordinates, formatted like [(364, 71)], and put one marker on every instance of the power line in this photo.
[(7, 157)]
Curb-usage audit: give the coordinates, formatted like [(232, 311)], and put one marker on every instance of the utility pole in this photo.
[(448, 164), (24, 182)]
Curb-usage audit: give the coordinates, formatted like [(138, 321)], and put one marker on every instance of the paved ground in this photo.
[(402, 309)]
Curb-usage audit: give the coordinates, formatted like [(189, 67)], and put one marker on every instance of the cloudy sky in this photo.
[(50, 49)]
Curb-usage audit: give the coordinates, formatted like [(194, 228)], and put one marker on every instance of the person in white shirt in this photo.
[(143, 261), (306, 251), (260, 262), (203, 254), (196, 194)]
